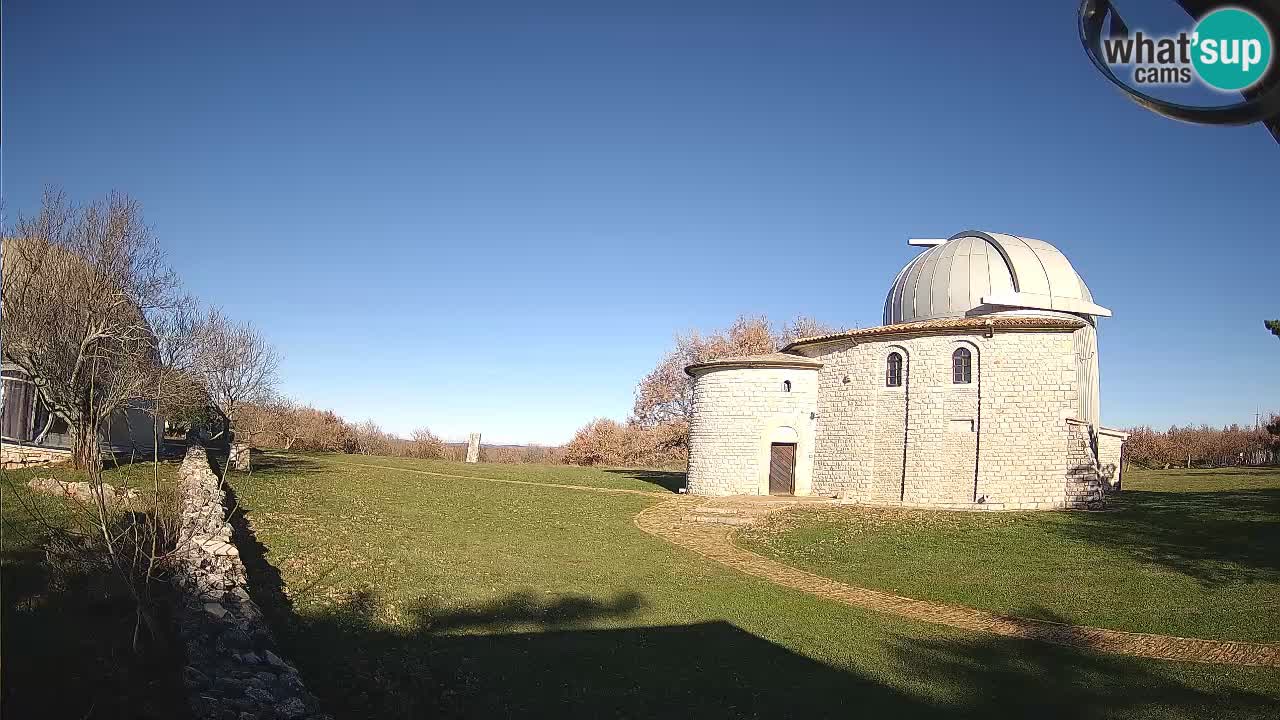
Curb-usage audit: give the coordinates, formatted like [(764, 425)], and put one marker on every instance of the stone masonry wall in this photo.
[(1029, 393), (734, 412), (1110, 450), (888, 440), (14, 456), (233, 671), (1006, 430)]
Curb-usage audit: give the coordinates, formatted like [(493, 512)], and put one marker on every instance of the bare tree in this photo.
[(236, 366), (665, 395), (424, 444), (93, 317), (79, 284), (802, 327), (370, 439)]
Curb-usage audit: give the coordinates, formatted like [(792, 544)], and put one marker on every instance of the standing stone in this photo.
[(240, 457), (473, 448)]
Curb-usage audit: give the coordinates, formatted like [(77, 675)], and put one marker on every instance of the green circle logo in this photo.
[(1232, 49)]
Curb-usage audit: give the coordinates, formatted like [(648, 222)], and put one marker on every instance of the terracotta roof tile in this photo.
[(1003, 322), (777, 359)]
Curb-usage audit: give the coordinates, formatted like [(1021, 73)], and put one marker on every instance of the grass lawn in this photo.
[(67, 629), (410, 595), (1190, 553)]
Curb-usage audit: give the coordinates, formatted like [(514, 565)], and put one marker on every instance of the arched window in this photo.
[(786, 386), (893, 370), (962, 366)]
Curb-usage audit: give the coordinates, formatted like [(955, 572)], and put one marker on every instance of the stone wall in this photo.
[(737, 413), (15, 456), (233, 671), (1031, 378), (932, 441), (1111, 457), (82, 491)]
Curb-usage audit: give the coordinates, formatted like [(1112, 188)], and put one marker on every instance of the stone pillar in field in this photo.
[(240, 457), (473, 448)]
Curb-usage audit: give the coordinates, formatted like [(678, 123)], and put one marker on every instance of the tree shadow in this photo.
[(529, 654), (1220, 538), (429, 667), (365, 668), (273, 463), (669, 480), (67, 642), (264, 464), (981, 675)]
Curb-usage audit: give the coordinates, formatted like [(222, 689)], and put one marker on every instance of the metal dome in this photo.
[(978, 273)]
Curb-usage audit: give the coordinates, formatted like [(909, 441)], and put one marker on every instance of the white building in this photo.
[(980, 390)]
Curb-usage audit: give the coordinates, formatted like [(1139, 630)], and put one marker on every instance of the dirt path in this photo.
[(714, 541)]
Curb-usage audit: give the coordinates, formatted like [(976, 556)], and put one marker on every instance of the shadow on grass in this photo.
[(272, 463), (979, 675), (667, 479), (1220, 538), (531, 655), (67, 644), (264, 464)]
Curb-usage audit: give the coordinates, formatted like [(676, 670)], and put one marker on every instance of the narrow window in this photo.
[(786, 386), (893, 371), (962, 366)]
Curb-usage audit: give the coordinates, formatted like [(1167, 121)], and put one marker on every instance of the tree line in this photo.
[(1204, 446), (285, 424)]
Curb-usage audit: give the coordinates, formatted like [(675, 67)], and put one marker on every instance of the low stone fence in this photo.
[(233, 671), (17, 456), (81, 491)]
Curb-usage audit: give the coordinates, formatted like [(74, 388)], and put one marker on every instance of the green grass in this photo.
[(410, 595), (67, 627), (1190, 553), (615, 478)]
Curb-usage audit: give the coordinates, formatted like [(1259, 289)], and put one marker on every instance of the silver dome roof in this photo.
[(978, 273)]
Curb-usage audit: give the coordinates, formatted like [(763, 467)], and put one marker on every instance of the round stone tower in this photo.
[(751, 413)]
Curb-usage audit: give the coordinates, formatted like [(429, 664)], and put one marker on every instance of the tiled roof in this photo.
[(777, 359), (999, 322)]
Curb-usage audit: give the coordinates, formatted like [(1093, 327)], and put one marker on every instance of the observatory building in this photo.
[(979, 391)]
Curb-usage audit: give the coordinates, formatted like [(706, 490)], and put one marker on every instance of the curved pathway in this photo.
[(668, 520)]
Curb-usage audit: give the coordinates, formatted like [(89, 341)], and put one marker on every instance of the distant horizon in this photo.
[(497, 219)]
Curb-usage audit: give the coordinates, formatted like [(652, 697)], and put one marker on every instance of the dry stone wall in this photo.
[(82, 491), (14, 456), (233, 671)]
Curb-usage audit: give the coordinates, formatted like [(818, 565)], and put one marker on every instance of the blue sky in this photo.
[(495, 217)]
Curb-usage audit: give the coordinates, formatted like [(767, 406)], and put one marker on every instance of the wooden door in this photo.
[(782, 469)]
